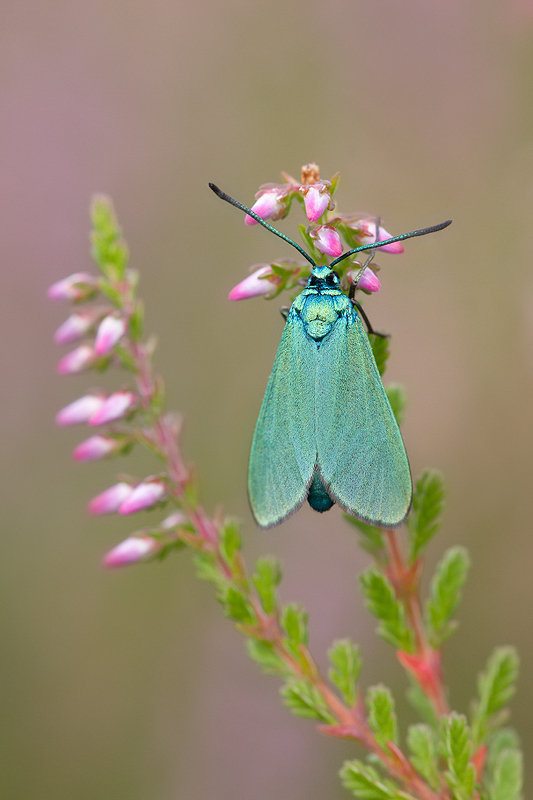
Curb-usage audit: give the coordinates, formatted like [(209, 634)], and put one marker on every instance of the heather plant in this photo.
[(446, 755)]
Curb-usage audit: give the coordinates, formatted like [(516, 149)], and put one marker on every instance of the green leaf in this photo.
[(108, 248), (421, 703), (315, 254), (137, 321), (265, 655), (496, 686), (304, 700), (346, 662), (507, 776), (424, 520), (371, 537), (266, 578), (207, 570), (381, 602), (381, 715), (502, 739), (397, 399), (421, 741), (236, 607), (294, 623), (457, 746), (380, 347), (445, 594), (366, 783), (230, 541)]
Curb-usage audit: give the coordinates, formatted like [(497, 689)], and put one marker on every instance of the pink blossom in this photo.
[(109, 501), (76, 287), (327, 240), (368, 281), (369, 235), (173, 521), (254, 284), (145, 495), (80, 410), (114, 407), (110, 332), (131, 550), (316, 200), (267, 206), (76, 326), (77, 360), (95, 447)]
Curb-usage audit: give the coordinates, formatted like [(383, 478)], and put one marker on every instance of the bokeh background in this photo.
[(132, 684)]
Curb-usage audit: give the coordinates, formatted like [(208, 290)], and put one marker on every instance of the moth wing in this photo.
[(283, 451), (361, 454)]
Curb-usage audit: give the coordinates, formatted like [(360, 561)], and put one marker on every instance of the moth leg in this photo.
[(284, 311), (367, 322)]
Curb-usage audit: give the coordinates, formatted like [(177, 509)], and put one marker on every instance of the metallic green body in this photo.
[(326, 424)]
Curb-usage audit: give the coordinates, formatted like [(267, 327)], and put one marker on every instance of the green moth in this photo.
[(326, 432)]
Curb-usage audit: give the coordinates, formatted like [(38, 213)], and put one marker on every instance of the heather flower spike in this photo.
[(132, 550), (448, 755), (255, 284)]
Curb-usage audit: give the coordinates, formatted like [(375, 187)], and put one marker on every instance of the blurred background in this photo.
[(131, 684)]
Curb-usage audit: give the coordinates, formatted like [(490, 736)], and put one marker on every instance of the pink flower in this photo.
[(369, 235), (173, 520), (114, 407), (253, 285), (110, 332), (80, 410), (109, 501), (327, 241), (268, 205), (95, 447), (145, 495), (77, 360), (368, 281), (316, 199), (76, 287), (131, 550), (76, 326)]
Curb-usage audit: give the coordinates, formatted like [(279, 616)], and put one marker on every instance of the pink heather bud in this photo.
[(173, 521), (80, 410), (110, 332), (253, 285), (77, 360), (145, 495), (76, 326), (109, 501), (327, 240), (114, 407), (267, 206), (95, 447), (368, 281), (369, 235), (76, 287), (136, 548), (316, 200)]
